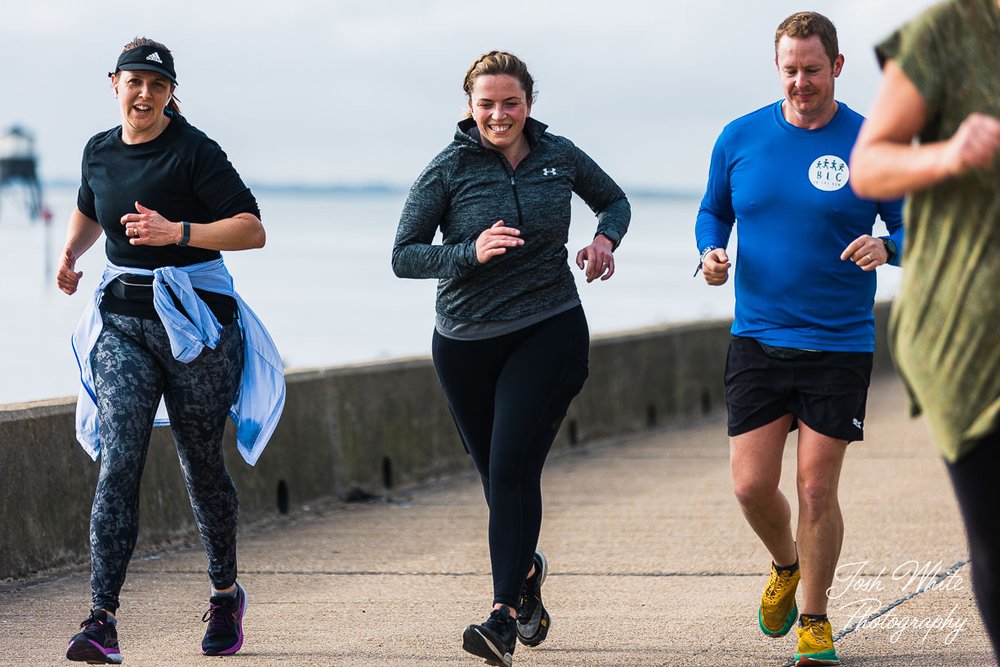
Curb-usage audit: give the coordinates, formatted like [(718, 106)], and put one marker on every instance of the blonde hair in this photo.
[(500, 62)]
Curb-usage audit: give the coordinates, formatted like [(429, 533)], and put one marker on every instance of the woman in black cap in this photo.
[(165, 323)]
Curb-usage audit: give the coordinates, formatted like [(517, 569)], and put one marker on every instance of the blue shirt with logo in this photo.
[(787, 187)]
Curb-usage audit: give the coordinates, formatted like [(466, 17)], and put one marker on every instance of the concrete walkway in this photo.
[(652, 564)]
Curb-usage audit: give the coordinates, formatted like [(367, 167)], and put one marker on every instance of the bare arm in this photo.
[(886, 165), (81, 234), (243, 231)]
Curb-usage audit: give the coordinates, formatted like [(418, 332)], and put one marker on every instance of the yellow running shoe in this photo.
[(815, 643), (778, 610)]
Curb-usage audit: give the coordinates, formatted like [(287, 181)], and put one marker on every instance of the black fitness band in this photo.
[(185, 234)]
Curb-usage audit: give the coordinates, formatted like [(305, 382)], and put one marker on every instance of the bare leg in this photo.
[(821, 525), (755, 459)]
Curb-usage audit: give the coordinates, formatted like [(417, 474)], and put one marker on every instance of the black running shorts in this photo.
[(825, 390)]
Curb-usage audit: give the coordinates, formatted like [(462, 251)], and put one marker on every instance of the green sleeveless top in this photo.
[(945, 326)]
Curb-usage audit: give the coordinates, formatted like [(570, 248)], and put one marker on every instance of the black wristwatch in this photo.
[(890, 248), (185, 233)]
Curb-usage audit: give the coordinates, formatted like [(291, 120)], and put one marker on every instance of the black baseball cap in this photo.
[(148, 59)]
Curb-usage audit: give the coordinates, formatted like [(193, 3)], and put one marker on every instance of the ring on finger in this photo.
[(868, 257)]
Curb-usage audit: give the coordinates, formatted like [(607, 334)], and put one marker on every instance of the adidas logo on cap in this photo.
[(147, 57)]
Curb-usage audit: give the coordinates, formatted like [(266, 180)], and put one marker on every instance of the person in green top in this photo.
[(942, 86)]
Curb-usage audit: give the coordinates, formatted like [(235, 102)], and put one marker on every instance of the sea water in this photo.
[(324, 287)]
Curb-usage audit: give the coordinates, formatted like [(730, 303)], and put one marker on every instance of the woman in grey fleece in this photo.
[(511, 343)]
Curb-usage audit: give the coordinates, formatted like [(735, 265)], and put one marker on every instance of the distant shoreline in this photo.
[(386, 189)]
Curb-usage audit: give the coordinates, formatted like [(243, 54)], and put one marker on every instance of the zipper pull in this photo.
[(513, 183)]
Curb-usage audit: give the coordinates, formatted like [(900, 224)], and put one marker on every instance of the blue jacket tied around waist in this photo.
[(261, 396)]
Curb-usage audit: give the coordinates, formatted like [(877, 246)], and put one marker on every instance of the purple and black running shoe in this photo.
[(98, 643), (224, 635)]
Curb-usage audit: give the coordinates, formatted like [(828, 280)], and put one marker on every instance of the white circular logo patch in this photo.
[(829, 173)]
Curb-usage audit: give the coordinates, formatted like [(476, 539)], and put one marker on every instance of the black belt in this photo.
[(138, 289), (132, 287), (789, 352)]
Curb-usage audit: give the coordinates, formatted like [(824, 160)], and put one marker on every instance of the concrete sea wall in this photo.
[(346, 431)]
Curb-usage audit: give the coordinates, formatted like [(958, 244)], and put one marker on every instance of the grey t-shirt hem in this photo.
[(482, 330)]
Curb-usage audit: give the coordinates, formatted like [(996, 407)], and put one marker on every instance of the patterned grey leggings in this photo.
[(133, 367)]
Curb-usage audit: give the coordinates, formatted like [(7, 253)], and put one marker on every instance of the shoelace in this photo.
[(816, 634), (775, 586), (218, 617), (102, 629), (93, 623), (527, 598), (526, 606), (499, 617)]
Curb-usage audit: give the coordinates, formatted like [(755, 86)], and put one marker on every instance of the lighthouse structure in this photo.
[(19, 172)]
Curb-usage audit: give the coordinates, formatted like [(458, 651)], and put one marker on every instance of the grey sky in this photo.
[(302, 91)]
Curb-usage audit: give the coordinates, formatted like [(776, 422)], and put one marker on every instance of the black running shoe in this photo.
[(532, 619), (494, 639), (98, 643), (224, 635)]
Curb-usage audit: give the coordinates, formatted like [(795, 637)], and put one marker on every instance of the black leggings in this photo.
[(974, 477), (133, 367), (508, 396)]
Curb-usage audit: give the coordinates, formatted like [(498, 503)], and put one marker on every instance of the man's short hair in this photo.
[(803, 25)]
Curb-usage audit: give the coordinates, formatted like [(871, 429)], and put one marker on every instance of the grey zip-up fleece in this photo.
[(469, 187)]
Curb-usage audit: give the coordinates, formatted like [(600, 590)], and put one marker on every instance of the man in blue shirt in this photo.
[(804, 330)]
